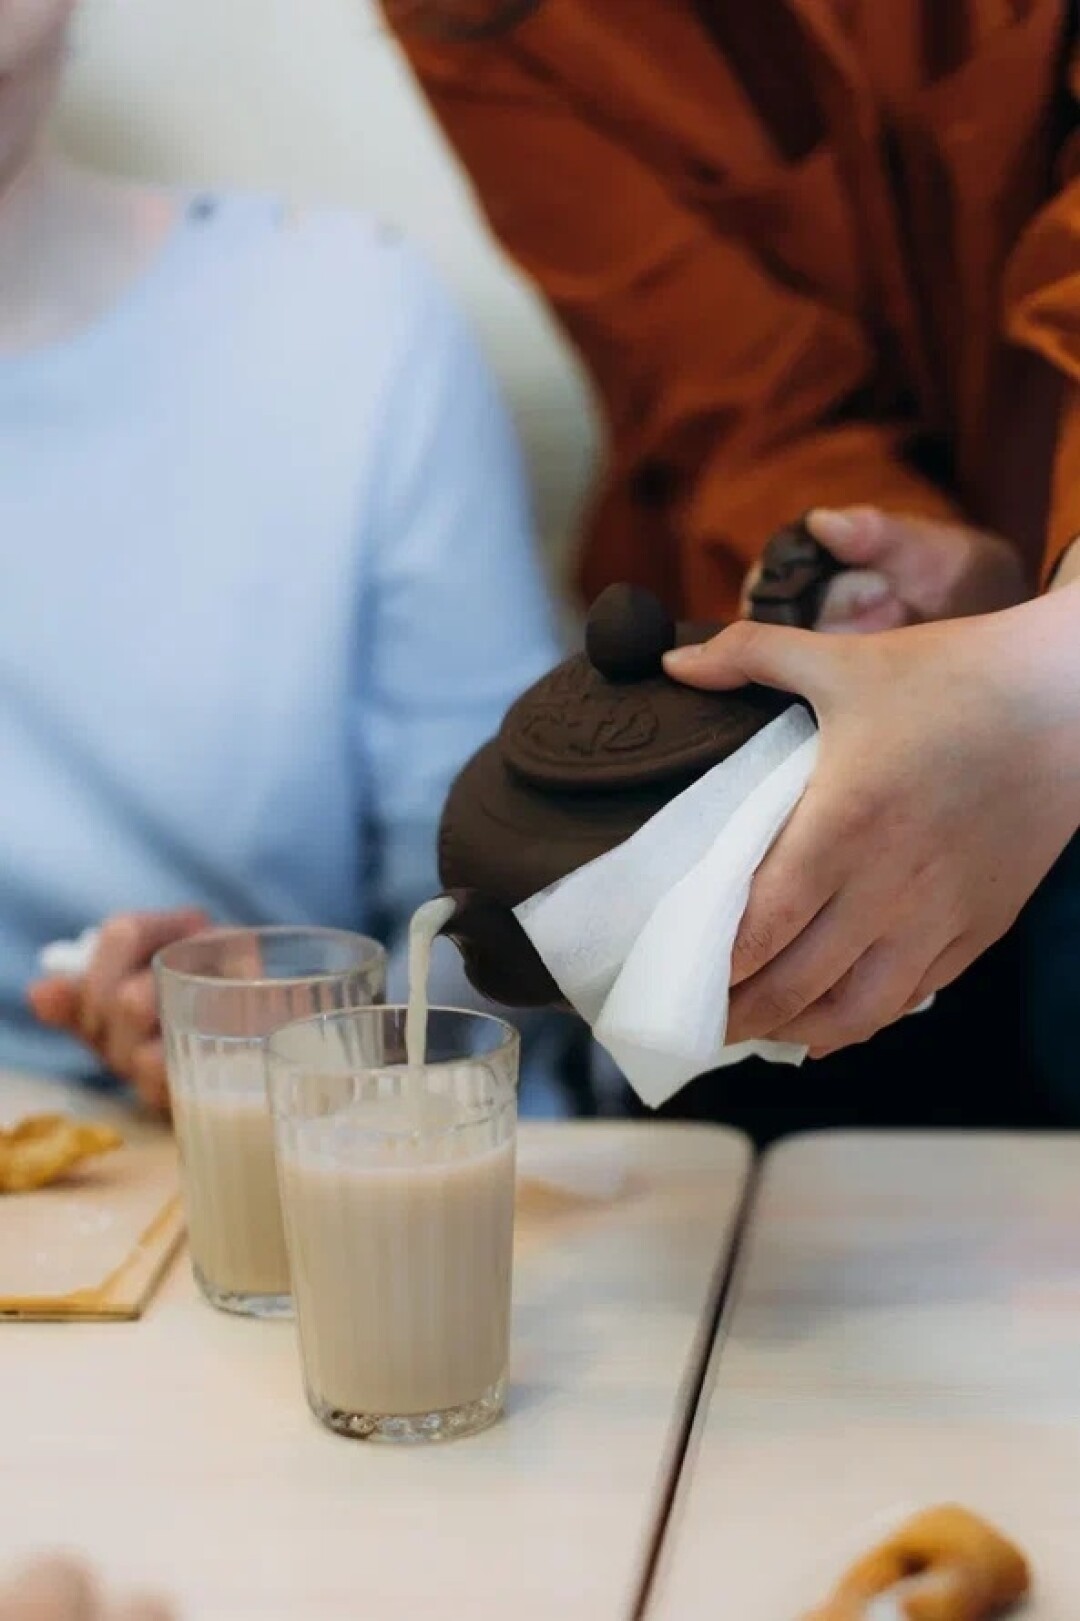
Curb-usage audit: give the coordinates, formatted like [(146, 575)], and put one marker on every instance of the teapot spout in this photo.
[(500, 960)]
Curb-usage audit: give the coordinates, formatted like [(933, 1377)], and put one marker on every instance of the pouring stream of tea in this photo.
[(427, 921)]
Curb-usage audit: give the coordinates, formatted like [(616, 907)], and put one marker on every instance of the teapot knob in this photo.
[(627, 634)]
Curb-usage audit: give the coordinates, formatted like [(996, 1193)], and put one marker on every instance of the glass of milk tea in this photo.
[(221, 995), (397, 1181)]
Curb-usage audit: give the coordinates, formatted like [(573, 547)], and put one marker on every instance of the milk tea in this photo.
[(397, 1181), (231, 1191), (401, 1259)]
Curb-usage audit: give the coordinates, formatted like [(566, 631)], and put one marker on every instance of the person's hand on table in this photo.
[(59, 1589), (905, 571), (948, 782), (112, 1008)]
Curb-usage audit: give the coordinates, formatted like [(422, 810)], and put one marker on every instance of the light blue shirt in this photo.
[(268, 581)]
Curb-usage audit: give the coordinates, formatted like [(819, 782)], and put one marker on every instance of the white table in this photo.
[(178, 1452), (905, 1331)]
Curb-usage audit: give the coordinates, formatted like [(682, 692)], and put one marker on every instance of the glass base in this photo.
[(244, 1305), (416, 1429)]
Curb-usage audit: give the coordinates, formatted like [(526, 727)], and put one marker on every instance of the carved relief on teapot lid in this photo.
[(609, 719)]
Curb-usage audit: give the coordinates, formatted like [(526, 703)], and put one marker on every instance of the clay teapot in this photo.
[(589, 754)]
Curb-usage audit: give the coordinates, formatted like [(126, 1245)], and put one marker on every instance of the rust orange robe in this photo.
[(811, 252)]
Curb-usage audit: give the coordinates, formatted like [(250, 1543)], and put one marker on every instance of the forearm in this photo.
[(1044, 663)]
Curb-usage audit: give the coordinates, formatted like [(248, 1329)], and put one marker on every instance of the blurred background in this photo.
[(309, 98)]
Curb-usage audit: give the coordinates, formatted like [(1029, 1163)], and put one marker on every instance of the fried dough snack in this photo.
[(45, 1147), (943, 1565)]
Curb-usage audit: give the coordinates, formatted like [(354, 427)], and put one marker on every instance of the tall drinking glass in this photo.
[(221, 995), (397, 1183)]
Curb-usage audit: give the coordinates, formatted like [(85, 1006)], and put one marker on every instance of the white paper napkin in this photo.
[(640, 940)]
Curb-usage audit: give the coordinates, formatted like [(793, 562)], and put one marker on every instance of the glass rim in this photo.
[(374, 953), (511, 1038)]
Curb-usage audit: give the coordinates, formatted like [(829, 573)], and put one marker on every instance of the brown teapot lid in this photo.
[(609, 720), (589, 754)]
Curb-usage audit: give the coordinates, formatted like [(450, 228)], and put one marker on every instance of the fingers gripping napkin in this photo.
[(639, 941)]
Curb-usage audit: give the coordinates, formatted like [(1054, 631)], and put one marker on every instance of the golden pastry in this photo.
[(45, 1147), (943, 1565)]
